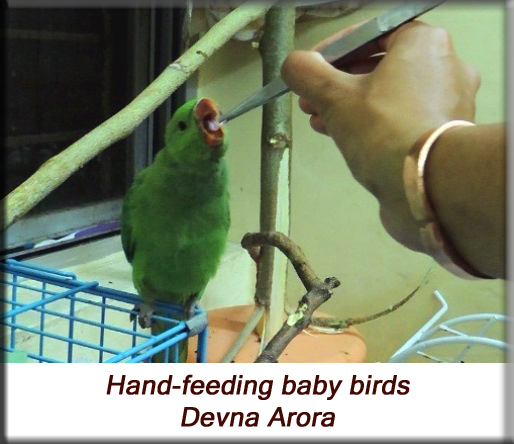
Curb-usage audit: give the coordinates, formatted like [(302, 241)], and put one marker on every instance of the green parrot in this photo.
[(176, 215)]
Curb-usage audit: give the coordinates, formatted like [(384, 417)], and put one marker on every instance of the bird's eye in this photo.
[(182, 125)]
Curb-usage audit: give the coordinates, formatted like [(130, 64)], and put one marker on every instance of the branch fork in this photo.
[(318, 291)]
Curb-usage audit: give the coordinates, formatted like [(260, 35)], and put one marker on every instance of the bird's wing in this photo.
[(127, 240)]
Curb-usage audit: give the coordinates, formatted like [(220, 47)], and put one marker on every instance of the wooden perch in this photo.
[(57, 169), (318, 291), (276, 141)]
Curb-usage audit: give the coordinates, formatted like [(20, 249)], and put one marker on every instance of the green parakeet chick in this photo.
[(175, 217)]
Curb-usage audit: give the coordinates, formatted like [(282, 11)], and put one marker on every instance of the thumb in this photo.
[(310, 76)]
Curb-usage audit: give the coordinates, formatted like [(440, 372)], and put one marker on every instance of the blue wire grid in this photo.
[(53, 317)]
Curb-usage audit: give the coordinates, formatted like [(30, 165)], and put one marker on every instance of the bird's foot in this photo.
[(144, 316)]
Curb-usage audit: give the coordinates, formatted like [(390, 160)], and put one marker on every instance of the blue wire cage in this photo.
[(50, 316)]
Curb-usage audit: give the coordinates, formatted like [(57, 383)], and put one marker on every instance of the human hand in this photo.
[(399, 87)]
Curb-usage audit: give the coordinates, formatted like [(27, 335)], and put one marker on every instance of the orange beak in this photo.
[(206, 115)]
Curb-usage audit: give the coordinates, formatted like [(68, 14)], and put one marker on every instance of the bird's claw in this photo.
[(145, 315)]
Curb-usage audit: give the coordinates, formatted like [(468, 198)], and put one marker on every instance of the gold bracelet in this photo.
[(432, 235)]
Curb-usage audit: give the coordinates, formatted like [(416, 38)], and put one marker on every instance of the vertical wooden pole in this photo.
[(276, 43)]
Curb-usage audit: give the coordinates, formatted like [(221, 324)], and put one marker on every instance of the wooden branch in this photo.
[(298, 321), (293, 252), (57, 169), (338, 325), (276, 43), (318, 291)]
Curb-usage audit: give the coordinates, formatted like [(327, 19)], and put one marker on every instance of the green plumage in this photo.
[(175, 217)]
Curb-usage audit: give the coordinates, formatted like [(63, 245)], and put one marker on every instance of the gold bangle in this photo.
[(432, 234)]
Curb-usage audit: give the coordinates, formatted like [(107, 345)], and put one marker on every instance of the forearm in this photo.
[(465, 178)]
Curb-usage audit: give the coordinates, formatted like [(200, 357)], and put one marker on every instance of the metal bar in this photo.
[(13, 329), (99, 304), (400, 357), (125, 310), (43, 359), (33, 355), (47, 300), (134, 329), (42, 321), (481, 332), (102, 328), (40, 274), (15, 263), (247, 330), (422, 332), (468, 318), (26, 287), (478, 317), (70, 329), (451, 330), (88, 322), (433, 358), (118, 295), (201, 355), (154, 350), (64, 338), (149, 342), (86, 301)]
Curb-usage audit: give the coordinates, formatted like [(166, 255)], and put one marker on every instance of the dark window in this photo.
[(68, 70)]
